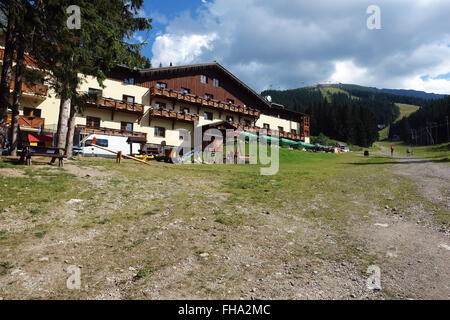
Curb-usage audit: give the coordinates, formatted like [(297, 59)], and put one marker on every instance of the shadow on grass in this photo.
[(400, 162), (13, 162)]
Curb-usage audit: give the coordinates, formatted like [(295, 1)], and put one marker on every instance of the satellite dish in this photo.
[(269, 98)]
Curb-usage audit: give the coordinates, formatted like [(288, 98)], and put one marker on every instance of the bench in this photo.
[(29, 151)]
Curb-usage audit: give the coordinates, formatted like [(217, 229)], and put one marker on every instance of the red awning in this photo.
[(40, 138), (32, 138)]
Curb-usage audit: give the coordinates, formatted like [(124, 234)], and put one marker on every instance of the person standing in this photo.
[(392, 151)]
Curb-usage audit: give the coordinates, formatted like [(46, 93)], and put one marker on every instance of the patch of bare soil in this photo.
[(432, 179), (412, 248), (12, 173)]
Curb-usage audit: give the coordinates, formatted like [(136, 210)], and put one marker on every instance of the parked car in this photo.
[(113, 143), (345, 149)]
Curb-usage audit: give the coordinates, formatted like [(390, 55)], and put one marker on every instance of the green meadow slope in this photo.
[(405, 111)]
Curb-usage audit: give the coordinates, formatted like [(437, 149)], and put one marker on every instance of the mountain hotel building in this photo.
[(154, 103)]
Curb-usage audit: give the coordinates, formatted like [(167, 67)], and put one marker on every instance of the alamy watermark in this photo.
[(214, 146), (374, 20), (74, 20), (74, 280), (374, 281)]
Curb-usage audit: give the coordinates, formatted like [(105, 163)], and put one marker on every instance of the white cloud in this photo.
[(347, 72), (181, 49), (287, 43)]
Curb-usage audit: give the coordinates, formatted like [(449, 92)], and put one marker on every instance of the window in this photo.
[(293, 131), (185, 110), (230, 101), (160, 132), (266, 126), (216, 82), (128, 80), (181, 137), (161, 85), (99, 142), (128, 99), (280, 129), (247, 122), (126, 126), (208, 116), (160, 105), (92, 122), (31, 112), (209, 96), (96, 92), (185, 90), (203, 79), (230, 119)]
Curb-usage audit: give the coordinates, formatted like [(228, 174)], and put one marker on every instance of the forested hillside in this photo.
[(426, 125), (351, 112)]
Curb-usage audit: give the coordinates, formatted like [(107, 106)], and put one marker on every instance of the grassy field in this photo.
[(328, 92), (405, 111), (197, 231), (440, 152)]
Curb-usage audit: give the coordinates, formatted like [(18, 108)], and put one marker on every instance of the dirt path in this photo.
[(416, 246)]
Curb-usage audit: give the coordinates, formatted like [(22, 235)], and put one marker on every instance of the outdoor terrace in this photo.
[(117, 105), (200, 101), (110, 131)]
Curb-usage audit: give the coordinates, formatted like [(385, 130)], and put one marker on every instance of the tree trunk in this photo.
[(70, 130), (6, 78), (61, 134), (17, 95)]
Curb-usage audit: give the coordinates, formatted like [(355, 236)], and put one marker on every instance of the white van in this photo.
[(113, 143)]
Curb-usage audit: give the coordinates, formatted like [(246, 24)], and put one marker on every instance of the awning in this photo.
[(136, 140)]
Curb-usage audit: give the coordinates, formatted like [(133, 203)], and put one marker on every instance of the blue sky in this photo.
[(287, 44), (162, 12)]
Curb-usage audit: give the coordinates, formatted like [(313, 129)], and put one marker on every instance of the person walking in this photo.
[(392, 151), (408, 151)]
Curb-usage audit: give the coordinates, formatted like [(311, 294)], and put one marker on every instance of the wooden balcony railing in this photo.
[(118, 105), (30, 61), (169, 114), (28, 122), (36, 89), (193, 99), (110, 131), (281, 134)]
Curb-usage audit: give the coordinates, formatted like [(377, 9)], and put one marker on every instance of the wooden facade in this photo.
[(212, 86)]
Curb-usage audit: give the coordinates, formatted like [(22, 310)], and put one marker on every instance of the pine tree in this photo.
[(100, 44)]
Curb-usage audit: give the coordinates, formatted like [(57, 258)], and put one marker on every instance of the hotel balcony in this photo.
[(29, 61), (175, 95), (28, 122), (281, 134), (117, 105), (173, 115), (110, 131), (36, 90)]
